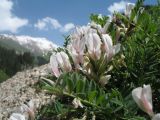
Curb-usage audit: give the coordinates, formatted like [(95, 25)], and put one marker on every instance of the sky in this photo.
[(53, 19)]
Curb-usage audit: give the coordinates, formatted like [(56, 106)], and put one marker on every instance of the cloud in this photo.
[(117, 6), (9, 21), (40, 25), (52, 23), (67, 27), (46, 23)]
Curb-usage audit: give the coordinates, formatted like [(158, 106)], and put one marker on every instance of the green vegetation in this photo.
[(3, 76), (107, 70), (12, 61), (137, 63)]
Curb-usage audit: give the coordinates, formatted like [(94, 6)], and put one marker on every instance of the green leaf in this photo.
[(80, 86), (70, 85), (58, 107), (92, 96)]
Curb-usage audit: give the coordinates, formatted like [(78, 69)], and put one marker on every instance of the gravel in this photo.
[(20, 88)]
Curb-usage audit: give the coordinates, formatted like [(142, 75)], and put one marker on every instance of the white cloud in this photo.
[(8, 21), (117, 6), (67, 27), (40, 25), (52, 23), (46, 23)]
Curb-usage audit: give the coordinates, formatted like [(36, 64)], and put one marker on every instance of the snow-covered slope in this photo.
[(35, 45)]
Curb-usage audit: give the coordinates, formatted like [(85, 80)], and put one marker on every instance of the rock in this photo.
[(19, 89)]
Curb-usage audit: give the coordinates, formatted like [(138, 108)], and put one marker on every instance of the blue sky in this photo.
[(51, 18)]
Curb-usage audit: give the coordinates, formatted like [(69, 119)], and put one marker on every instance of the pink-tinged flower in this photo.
[(27, 111), (63, 61), (17, 116), (156, 117), (143, 97), (76, 49), (58, 62), (108, 47), (30, 109), (54, 65), (80, 32), (94, 45), (129, 8), (77, 44)]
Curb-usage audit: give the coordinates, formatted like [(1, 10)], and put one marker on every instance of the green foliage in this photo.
[(138, 63), (11, 62), (96, 101), (141, 64), (67, 40), (3, 76), (100, 21)]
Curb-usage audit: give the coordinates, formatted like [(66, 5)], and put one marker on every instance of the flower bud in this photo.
[(143, 97)]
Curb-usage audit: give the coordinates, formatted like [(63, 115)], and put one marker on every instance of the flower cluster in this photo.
[(60, 63), (87, 42), (91, 42)]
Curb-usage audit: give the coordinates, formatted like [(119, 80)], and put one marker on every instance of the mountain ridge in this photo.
[(24, 43)]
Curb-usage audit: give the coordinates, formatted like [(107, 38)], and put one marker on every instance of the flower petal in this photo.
[(66, 66), (117, 48), (136, 94), (129, 8), (146, 98), (156, 117), (107, 40), (17, 116), (77, 103), (54, 65), (94, 45), (143, 98)]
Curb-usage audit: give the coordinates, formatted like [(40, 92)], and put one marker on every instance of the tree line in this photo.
[(12, 61)]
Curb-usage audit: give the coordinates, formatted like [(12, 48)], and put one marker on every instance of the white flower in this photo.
[(105, 27), (99, 28), (94, 45), (17, 116), (96, 26), (29, 108), (108, 47), (143, 98), (27, 111), (63, 61), (129, 8), (54, 65), (77, 103), (79, 32), (60, 60), (77, 45), (156, 117), (76, 49)]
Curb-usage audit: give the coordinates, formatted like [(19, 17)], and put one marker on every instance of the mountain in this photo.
[(36, 45), (18, 53)]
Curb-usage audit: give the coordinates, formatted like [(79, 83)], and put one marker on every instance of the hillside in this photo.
[(19, 89), (22, 52)]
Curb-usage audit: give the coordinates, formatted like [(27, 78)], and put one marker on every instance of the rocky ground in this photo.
[(21, 88)]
